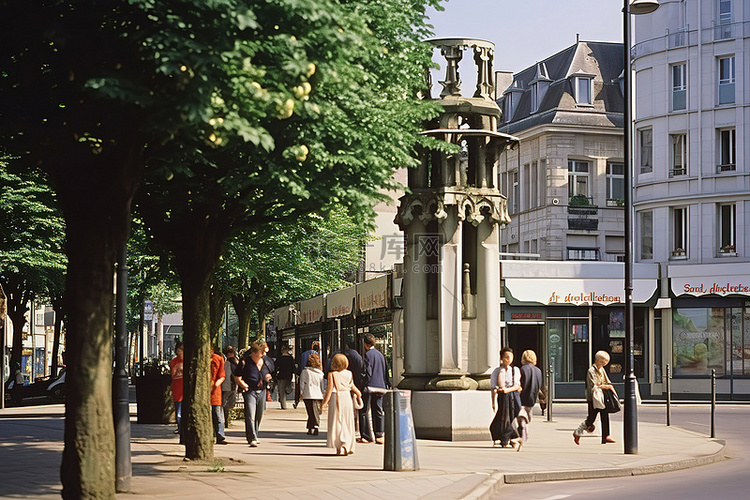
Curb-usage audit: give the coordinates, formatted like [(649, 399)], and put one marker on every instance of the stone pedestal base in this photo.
[(452, 415)]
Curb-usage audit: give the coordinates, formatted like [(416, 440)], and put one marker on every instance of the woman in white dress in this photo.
[(341, 435)]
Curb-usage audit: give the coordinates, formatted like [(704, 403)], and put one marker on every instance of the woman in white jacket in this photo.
[(312, 385)]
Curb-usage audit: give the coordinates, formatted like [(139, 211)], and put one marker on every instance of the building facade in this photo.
[(692, 185), (565, 184)]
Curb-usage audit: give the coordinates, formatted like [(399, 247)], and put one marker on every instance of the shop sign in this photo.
[(530, 316), (340, 303), (578, 291), (711, 286), (373, 294), (283, 317), (311, 310)]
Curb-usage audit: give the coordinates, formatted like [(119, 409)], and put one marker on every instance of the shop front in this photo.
[(710, 330), (376, 317), (310, 327), (340, 320), (284, 320), (567, 311)]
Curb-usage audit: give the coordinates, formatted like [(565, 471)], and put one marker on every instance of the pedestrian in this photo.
[(16, 391), (271, 362), (253, 378), (531, 383), (302, 364), (597, 381), (229, 386), (285, 369), (175, 369), (312, 388), (505, 382), (375, 386), (341, 414), (217, 409)]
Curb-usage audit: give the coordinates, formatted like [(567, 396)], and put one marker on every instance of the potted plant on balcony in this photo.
[(727, 249), (153, 393)]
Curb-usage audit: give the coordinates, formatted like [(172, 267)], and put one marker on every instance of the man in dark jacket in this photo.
[(531, 382), (285, 368), (356, 365), (375, 387)]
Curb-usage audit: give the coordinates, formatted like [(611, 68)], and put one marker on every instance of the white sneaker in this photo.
[(254, 444)]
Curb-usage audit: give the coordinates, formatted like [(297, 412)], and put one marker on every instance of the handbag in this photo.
[(611, 402)]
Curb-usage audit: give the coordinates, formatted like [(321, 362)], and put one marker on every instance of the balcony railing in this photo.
[(725, 167), (688, 37), (677, 171)]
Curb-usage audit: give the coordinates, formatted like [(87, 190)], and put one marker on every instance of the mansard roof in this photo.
[(602, 61)]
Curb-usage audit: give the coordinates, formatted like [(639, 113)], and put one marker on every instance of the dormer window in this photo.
[(539, 86), (582, 89), (511, 97)]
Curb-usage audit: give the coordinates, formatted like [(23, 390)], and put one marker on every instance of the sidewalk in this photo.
[(288, 464)]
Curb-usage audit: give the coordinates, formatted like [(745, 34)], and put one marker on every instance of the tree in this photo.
[(31, 241), (279, 264), (95, 92)]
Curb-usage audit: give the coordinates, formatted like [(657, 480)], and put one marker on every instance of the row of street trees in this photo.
[(217, 119)]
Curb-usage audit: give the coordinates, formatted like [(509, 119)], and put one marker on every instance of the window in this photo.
[(727, 149), (727, 225), (578, 178), (535, 99), (644, 139), (582, 89), (724, 26), (615, 184), (726, 80), (516, 192), (679, 87), (647, 234), (679, 154), (680, 228), (583, 254)]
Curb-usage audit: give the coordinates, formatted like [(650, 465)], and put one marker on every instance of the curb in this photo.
[(492, 486)]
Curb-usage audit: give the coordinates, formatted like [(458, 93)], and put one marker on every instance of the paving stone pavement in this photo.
[(289, 464)]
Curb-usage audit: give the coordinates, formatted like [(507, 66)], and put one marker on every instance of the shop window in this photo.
[(699, 340), (568, 340), (609, 335)]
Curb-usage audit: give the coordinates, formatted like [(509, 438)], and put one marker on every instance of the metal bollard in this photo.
[(669, 395), (550, 389), (713, 402), (400, 439)]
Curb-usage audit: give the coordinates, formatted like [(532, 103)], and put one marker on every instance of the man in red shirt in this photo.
[(217, 410)]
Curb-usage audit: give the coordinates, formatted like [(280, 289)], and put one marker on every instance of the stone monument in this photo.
[(451, 291)]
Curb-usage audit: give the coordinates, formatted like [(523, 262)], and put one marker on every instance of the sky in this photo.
[(528, 31)]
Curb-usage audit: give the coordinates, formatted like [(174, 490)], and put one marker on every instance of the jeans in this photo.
[(372, 400), (282, 386), (178, 413), (217, 415), (255, 405)]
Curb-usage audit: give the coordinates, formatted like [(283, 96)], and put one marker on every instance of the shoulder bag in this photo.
[(611, 401)]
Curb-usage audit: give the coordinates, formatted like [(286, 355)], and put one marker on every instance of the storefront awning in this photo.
[(711, 279), (577, 292)]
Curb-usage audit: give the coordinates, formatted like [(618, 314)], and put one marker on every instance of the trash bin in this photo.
[(400, 440)]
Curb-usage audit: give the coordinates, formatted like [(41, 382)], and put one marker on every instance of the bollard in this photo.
[(400, 439), (669, 395), (550, 388), (713, 402)]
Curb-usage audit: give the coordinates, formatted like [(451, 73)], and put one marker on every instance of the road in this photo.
[(725, 480)]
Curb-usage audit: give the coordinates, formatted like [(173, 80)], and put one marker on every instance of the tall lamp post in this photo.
[(634, 7)]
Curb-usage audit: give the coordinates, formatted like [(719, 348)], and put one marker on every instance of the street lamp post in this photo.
[(630, 423)]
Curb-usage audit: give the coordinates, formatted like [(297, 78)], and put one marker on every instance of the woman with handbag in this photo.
[(341, 435), (312, 387), (597, 384), (505, 382)]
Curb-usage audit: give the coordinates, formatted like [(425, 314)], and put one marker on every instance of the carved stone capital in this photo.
[(426, 207), (475, 208)]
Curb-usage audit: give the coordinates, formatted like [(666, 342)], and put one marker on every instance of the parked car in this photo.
[(52, 387)]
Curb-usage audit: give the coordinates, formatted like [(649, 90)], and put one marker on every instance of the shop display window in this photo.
[(698, 340)]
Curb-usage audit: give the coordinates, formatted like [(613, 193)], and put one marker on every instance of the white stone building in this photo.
[(692, 184)]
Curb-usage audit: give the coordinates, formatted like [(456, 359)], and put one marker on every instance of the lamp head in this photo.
[(637, 7)]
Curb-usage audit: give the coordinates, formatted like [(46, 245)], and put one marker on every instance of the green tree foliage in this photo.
[(215, 91), (279, 264), (32, 233)]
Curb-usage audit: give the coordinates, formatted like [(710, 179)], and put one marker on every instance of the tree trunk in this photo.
[(196, 403), (262, 314), (218, 303), (17, 304), (88, 464), (243, 307)]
